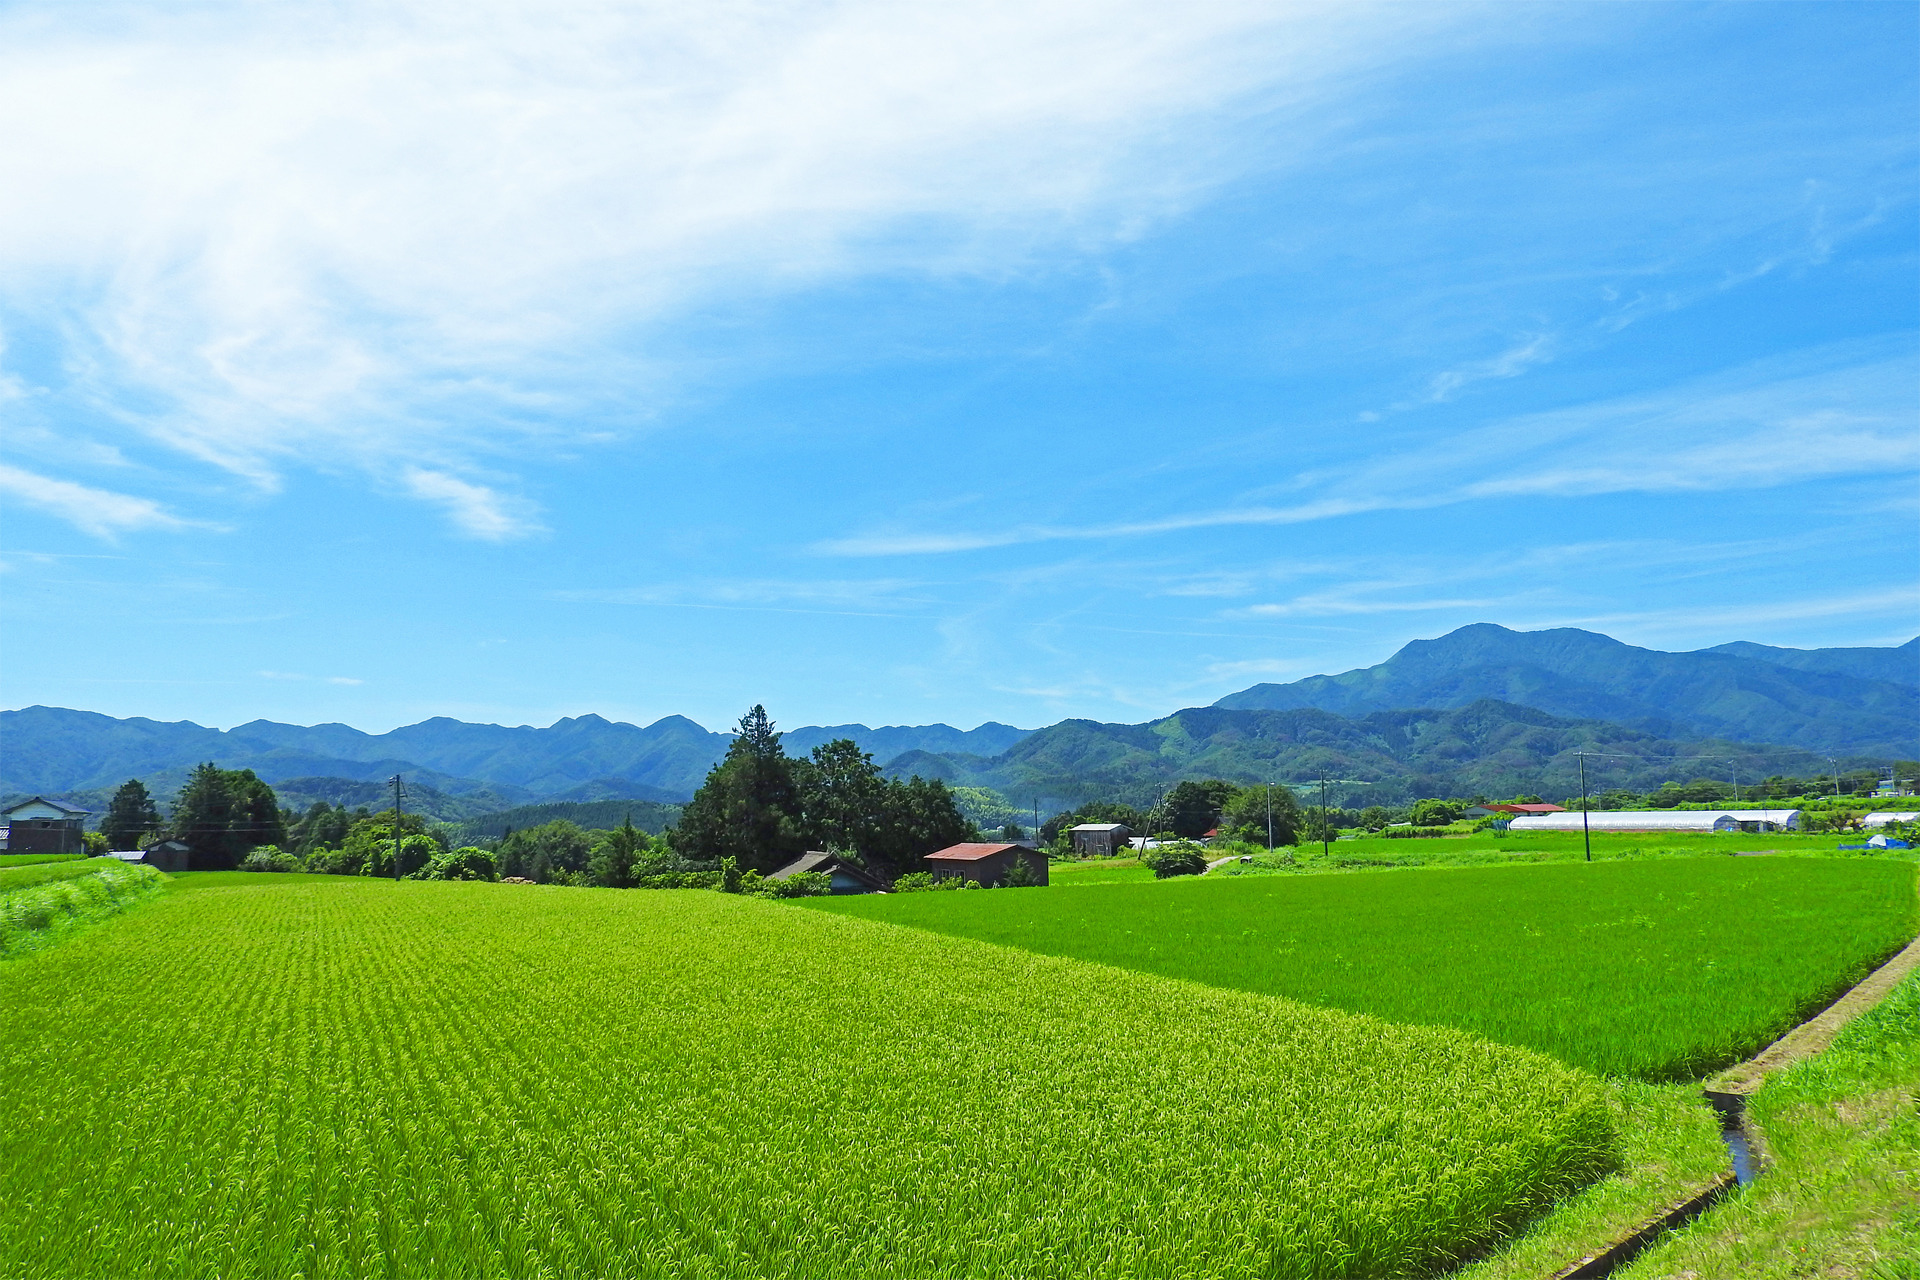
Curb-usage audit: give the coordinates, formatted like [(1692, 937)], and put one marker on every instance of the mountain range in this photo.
[(1858, 701), (1480, 709), (55, 750)]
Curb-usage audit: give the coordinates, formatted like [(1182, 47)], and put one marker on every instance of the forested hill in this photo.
[(54, 750), (1387, 757), (1863, 701)]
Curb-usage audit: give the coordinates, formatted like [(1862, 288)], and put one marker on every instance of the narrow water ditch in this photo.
[(1727, 1095)]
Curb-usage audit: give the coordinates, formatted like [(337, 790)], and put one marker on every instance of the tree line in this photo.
[(757, 810)]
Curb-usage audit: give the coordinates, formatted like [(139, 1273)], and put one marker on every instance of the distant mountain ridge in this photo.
[(1861, 701), (583, 758), (1384, 757)]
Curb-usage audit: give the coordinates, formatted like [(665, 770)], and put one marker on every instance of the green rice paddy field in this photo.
[(331, 1076), (1661, 969)]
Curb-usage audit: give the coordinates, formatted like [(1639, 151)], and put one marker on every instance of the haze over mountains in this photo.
[(1480, 709)]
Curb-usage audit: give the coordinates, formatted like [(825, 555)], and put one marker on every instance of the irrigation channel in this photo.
[(1727, 1094)]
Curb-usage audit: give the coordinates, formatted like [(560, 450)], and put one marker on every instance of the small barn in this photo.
[(44, 826), (848, 876), (1099, 839), (987, 863), (1658, 820), (166, 855)]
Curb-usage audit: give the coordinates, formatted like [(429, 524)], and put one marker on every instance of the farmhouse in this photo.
[(848, 876), (44, 826), (1751, 820), (987, 863), (1099, 839)]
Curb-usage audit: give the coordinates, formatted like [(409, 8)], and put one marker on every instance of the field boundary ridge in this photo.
[(1817, 1032)]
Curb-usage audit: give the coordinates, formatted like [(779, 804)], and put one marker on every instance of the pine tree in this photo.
[(748, 808), (130, 815)]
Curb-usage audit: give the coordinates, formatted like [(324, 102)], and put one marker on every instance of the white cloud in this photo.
[(100, 512), (345, 235), (1848, 410), (474, 509)]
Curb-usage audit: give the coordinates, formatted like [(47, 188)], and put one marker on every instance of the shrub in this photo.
[(1436, 813), (468, 863), (268, 857), (95, 844), (926, 881), (1175, 858), (801, 884), (1020, 875)]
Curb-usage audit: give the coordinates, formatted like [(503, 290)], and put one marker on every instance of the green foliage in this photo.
[(927, 882), (38, 911), (222, 813), (748, 809), (466, 863), (1246, 815), (94, 844), (31, 859), (1020, 874), (554, 852), (652, 817), (1657, 969), (1192, 809), (614, 863), (1175, 858), (432, 1065), (270, 858), (730, 876), (323, 826), (761, 808), (801, 884), (131, 814), (1436, 813)]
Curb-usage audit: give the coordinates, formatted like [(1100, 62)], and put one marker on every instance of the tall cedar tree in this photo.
[(130, 815), (222, 813), (748, 809), (1193, 808)]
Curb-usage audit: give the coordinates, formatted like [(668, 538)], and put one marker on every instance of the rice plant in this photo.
[(281, 1076), (1658, 969)]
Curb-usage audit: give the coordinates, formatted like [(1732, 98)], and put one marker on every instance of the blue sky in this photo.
[(1003, 361)]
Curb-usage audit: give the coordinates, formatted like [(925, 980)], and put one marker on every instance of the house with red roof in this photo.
[(986, 864)]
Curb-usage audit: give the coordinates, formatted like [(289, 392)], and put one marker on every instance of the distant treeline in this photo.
[(649, 816)]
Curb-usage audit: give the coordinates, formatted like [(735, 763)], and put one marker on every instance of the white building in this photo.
[(1664, 820)]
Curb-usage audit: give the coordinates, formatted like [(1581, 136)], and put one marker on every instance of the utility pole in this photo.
[(1836, 776), (399, 794), (1326, 835), (1586, 823), (1269, 810)]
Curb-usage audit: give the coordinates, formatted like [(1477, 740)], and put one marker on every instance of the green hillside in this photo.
[(1488, 747)]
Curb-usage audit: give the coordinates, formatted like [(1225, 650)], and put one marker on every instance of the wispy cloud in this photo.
[(474, 509), (273, 237), (99, 512), (1848, 410)]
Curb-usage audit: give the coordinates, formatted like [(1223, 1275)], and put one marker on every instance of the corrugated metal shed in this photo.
[(1663, 820)]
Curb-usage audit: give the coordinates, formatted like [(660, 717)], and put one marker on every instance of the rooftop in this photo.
[(970, 852)]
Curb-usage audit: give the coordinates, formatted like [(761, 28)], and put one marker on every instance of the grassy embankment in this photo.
[(29, 859), (347, 1077), (1657, 970), (1842, 1194), (43, 903)]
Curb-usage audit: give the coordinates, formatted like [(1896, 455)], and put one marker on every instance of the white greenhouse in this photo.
[(1882, 818), (1664, 820)]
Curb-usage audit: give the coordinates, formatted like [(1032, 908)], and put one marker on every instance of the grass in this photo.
[(1841, 1195), (44, 904), (1098, 871), (1490, 848), (281, 1076), (1656, 969), (29, 859)]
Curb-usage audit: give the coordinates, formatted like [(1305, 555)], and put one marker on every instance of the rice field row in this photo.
[(41, 905), (329, 1076), (1657, 969)]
